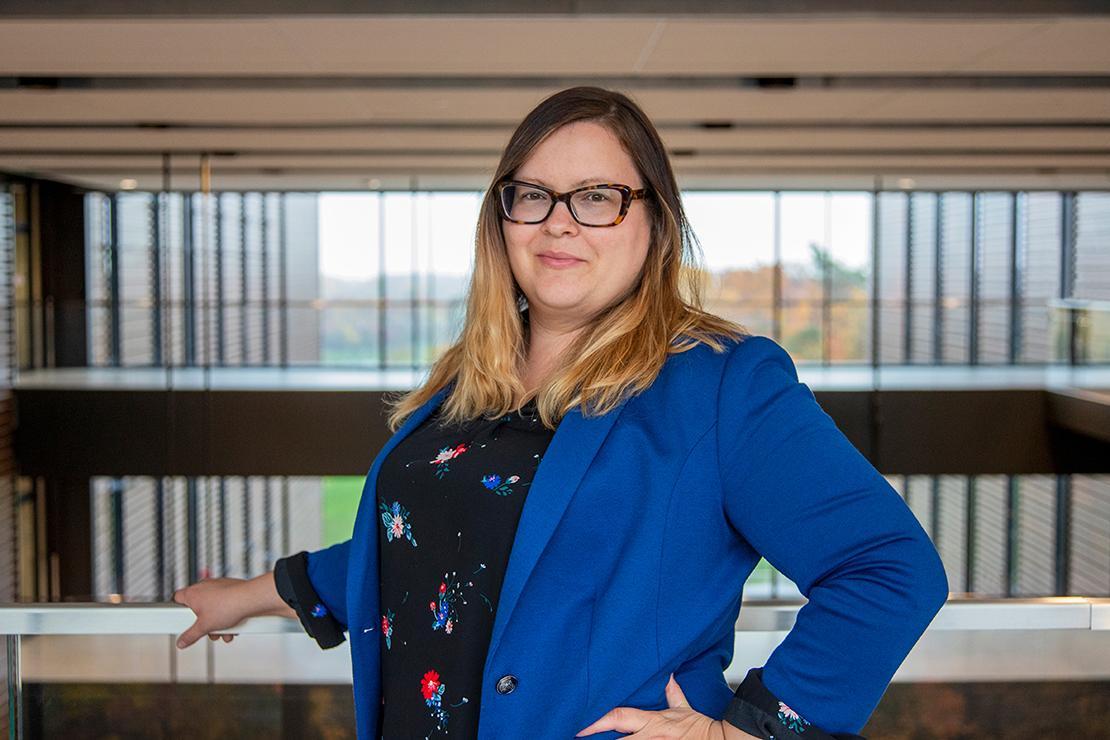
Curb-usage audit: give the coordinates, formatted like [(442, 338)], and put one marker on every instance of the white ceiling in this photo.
[(431, 100)]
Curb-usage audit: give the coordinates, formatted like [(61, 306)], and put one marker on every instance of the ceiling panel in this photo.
[(440, 45), (508, 105), (993, 105), (830, 46), (456, 45), (412, 116), (128, 166), (322, 140), (1063, 45)]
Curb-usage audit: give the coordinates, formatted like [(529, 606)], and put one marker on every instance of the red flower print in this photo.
[(430, 684), (444, 457), (449, 453), (442, 587)]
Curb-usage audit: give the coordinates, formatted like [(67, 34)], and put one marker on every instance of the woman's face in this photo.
[(607, 260)]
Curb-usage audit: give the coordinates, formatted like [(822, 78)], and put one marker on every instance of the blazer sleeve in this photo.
[(314, 585), (803, 497)]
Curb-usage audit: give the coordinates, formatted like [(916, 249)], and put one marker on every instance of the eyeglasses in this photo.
[(593, 205)]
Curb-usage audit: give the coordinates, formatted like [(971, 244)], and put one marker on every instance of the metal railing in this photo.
[(761, 622)]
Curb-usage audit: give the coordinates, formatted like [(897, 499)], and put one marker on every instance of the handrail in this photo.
[(963, 613), (1078, 304), (959, 613)]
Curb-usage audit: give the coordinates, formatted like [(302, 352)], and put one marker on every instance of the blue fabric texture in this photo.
[(323, 565), (639, 531)]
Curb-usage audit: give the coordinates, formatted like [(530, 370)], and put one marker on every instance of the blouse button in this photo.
[(506, 684)]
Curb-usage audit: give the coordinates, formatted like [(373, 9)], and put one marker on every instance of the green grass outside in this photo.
[(762, 572), (341, 494)]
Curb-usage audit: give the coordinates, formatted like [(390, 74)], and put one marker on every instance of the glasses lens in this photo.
[(597, 207), (523, 203)]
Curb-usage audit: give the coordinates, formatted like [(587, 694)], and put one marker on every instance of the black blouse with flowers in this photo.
[(449, 499)]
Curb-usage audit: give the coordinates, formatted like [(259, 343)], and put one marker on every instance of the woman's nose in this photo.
[(560, 219)]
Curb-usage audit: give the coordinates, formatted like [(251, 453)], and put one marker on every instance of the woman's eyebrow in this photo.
[(578, 184)]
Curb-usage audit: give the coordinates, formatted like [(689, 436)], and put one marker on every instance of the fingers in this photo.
[(675, 696), (191, 635), (622, 719), (630, 719), (194, 633)]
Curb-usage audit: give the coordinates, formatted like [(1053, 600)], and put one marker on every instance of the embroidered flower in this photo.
[(791, 719), (387, 628), (445, 455), (441, 607), (430, 686), (493, 483), (432, 690), (396, 521), (319, 610), (445, 612)]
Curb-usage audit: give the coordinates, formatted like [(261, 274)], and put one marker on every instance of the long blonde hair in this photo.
[(623, 349)]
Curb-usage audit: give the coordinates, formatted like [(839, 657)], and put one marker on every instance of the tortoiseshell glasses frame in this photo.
[(628, 195)]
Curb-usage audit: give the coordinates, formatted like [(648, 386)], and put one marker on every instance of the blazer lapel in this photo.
[(561, 469), (362, 568)]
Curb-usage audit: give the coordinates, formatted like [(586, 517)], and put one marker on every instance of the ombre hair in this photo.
[(624, 347)]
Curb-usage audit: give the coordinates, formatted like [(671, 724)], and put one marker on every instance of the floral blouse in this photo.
[(448, 501)]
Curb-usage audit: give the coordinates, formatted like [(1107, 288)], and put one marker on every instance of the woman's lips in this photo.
[(558, 262)]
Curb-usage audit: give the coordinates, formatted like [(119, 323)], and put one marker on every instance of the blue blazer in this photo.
[(637, 535)]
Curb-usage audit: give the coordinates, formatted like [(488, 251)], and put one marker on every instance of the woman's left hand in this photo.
[(678, 720)]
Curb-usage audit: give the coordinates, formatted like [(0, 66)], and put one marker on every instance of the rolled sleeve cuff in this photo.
[(295, 589), (758, 712)]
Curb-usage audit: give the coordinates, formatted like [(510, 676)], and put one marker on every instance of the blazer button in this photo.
[(506, 684)]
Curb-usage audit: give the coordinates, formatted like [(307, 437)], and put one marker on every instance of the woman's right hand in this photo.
[(219, 604)]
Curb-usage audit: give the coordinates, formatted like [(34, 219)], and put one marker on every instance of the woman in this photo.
[(596, 594)]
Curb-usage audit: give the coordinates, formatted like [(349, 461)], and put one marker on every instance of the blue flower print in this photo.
[(792, 719), (319, 610), (396, 521), (445, 611), (493, 483)]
